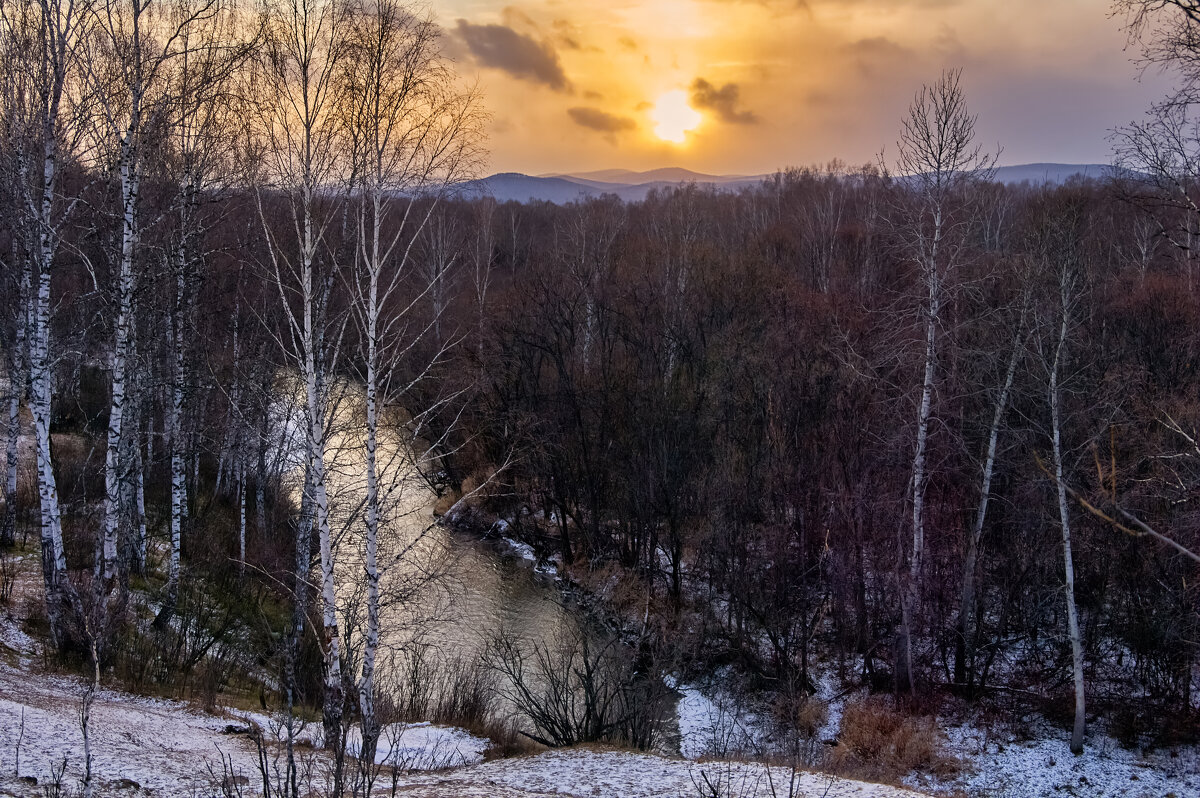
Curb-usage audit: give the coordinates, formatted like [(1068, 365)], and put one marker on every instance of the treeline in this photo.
[(726, 393), (214, 216)]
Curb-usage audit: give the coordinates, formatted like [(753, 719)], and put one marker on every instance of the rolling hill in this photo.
[(633, 186)]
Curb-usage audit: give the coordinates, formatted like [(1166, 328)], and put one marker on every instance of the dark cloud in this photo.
[(877, 47), (722, 101), (602, 121), (519, 55), (877, 56)]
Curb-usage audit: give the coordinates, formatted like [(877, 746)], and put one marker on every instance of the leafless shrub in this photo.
[(879, 743), (284, 769), (798, 720), (579, 688), (727, 780), (53, 788)]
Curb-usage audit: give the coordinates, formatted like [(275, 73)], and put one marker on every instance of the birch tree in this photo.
[(413, 134), (198, 164), (132, 45), (1058, 318), (1054, 389), (964, 671), (938, 161), (301, 138), (17, 382), (42, 65)]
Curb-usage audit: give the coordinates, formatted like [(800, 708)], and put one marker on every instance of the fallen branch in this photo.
[(1139, 527)]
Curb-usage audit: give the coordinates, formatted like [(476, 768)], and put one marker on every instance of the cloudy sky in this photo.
[(749, 86)]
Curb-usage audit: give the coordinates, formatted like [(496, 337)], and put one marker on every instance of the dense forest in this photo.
[(934, 432)]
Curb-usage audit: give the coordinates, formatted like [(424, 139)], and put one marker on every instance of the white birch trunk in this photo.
[(85, 713), (241, 477), (260, 489), (315, 407), (130, 179), (8, 532), (178, 470), (965, 653), (366, 684), (320, 509), (54, 561), (911, 599), (1079, 728), (141, 544)]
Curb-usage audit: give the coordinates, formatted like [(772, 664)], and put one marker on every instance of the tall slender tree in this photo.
[(42, 65), (303, 180), (413, 134), (938, 161)]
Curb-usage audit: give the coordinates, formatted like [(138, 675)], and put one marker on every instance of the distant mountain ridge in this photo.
[(631, 186), (669, 174), (1056, 173)]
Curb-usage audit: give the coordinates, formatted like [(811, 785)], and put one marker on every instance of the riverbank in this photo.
[(173, 749)]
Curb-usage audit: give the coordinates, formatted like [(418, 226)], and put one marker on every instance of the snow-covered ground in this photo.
[(587, 772), (994, 764), (163, 746), (422, 746), (713, 723), (1003, 767), (148, 746), (145, 746)]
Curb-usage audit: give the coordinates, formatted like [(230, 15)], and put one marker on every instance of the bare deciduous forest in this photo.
[(899, 422)]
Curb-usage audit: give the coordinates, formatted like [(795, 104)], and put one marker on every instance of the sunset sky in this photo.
[(749, 86)]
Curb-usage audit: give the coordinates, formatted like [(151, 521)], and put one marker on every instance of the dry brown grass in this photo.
[(879, 743)]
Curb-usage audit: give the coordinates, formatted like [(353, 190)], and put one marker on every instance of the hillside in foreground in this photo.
[(144, 746)]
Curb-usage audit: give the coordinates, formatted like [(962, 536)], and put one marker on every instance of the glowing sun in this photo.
[(673, 117)]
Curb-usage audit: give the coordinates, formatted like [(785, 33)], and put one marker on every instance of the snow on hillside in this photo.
[(146, 746), (1004, 767), (589, 772), (996, 763), (163, 746), (422, 746)]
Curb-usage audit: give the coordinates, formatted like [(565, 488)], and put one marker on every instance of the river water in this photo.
[(443, 595)]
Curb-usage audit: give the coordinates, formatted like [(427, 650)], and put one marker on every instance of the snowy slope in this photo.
[(166, 748), (585, 772)]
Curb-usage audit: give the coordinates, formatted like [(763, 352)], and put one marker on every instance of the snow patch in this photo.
[(13, 637), (589, 772), (522, 550), (1000, 765), (713, 723), (421, 746)]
